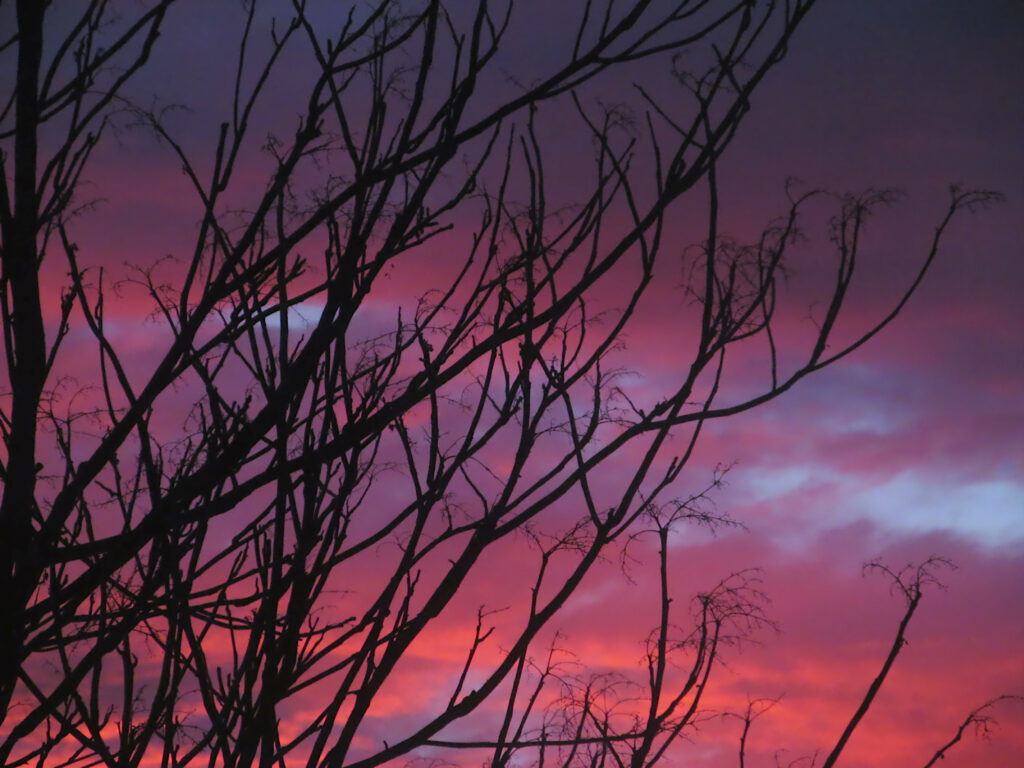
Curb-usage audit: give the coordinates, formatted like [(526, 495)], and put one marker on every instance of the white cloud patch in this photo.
[(989, 513), (802, 502)]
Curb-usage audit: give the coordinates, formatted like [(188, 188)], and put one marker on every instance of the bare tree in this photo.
[(176, 585)]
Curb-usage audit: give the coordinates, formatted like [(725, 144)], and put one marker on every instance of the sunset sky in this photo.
[(911, 447), (916, 444)]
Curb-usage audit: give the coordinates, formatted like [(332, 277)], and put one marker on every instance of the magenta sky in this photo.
[(914, 446)]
